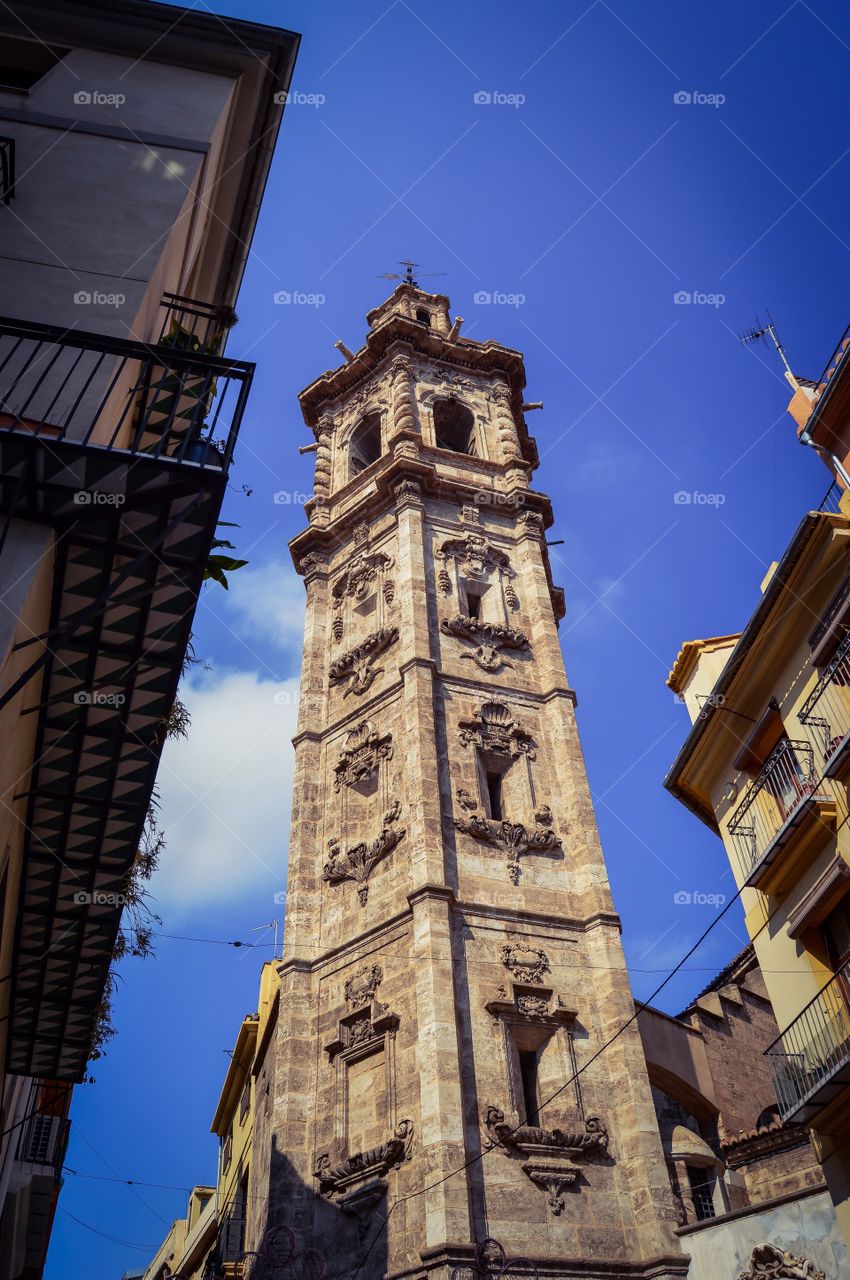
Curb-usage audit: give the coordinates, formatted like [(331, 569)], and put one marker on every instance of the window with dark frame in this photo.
[(494, 794), (473, 604), (701, 1182), (423, 316), (453, 427), (365, 445), (528, 1066)]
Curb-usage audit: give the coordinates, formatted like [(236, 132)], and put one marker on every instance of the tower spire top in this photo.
[(408, 276)]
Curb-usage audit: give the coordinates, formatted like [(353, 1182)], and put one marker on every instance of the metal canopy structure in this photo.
[(132, 530)]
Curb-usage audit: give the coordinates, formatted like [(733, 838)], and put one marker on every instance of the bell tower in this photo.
[(452, 957)]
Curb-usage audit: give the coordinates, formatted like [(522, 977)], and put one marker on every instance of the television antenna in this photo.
[(408, 276), (766, 333)]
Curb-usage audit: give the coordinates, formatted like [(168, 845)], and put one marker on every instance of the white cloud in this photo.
[(269, 602), (225, 791)]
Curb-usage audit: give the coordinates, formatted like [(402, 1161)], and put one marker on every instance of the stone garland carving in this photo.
[(526, 963), (360, 989), (489, 639), (356, 668), (363, 752), (505, 421), (492, 728), (359, 861), (404, 404), (357, 580), (771, 1263), (374, 1163), (515, 837), (475, 554), (545, 1150)]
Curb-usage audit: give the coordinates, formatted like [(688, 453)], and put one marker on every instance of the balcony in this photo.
[(122, 450), (810, 1061), (826, 715), (162, 400), (783, 820), (44, 1141)]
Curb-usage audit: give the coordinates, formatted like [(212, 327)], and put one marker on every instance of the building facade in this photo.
[(766, 766), (135, 142), (452, 973)]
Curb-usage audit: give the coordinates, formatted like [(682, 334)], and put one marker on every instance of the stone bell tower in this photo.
[(452, 956)]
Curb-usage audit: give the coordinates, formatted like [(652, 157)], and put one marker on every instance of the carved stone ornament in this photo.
[(529, 1139), (359, 759), (374, 1163), (360, 990), (465, 800), (475, 554), (492, 728), (489, 639), (533, 1006), (356, 669), (512, 836), (359, 861), (357, 580), (771, 1263), (360, 1203), (470, 514), (543, 815), (553, 1177), (526, 963), (408, 491)]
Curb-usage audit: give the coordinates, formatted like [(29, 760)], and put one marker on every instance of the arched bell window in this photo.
[(423, 316), (365, 447), (454, 426)]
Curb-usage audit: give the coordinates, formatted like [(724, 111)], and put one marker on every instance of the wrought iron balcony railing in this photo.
[(785, 783), (159, 400), (832, 499), (7, 169), (826, 711), (810, 1061)]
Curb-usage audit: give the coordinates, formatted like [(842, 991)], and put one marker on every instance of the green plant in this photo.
[(218, 566)]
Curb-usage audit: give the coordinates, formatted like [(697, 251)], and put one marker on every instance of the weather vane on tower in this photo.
[(408, 276)]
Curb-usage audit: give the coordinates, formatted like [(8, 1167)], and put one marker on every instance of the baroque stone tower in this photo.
[(452, 957)]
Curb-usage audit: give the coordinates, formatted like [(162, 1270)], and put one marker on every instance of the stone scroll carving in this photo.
[(514, 837), (493, 728), (475, 557), (545, 1151), (358, 579), (359, 860), (489, 639), (771, 1263), (361, 755), (356, 669), (360, 990), (363, 1165)]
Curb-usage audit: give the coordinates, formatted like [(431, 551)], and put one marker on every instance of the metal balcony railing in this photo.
[(7, 169), (826, 711), (159, 400), (810, 1055), (832, 499), (44, 1141), (786, 781)]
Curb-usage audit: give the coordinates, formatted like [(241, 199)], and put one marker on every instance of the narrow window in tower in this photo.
[(494, 795), (473, 604), (423, 316), (453, 427), (528, 1076), (365, 444)]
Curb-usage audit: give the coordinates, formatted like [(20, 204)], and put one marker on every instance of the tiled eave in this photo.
[(125, 585)]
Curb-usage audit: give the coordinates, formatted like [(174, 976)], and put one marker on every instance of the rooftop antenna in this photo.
[(408, 276), (762, 332)]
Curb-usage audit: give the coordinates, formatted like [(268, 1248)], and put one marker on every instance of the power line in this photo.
[(126, 1244)]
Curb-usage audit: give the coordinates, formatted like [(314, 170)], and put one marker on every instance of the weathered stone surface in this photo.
[(495, 956)]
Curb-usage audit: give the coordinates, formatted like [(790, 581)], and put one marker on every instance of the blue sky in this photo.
[(595, 200)]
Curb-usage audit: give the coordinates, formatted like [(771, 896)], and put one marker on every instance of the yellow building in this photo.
[(210, 1240), (767, 764)]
